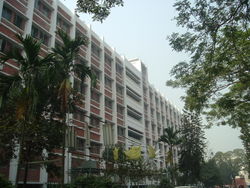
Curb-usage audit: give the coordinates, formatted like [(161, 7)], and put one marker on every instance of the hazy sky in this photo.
[(139, 30)]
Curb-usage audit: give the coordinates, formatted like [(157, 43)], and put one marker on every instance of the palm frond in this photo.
[(31, 48), (6, 84)]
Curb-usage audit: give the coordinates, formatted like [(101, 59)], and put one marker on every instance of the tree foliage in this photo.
[(25, 99), (172, 138), (230, 164), (5, 183), (216, 77), (93, 181), (210, 175), (192, 148), (222, 168), (100, 9), (35, 101), (128, 170)]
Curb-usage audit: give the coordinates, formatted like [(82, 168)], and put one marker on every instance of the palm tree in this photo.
[(66, 67), (170, 137), (24, 98)]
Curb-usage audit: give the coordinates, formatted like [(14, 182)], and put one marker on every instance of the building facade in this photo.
[(123, 108)]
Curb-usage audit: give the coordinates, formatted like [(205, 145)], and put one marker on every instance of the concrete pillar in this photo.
[(29, 14), (13, 167)]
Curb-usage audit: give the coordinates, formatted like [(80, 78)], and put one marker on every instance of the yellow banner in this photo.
[(134, 153)]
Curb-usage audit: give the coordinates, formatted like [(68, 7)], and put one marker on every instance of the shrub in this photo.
[(165, 183), (91, 181), (5, 183)]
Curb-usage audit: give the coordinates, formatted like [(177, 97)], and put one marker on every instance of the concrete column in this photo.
[(88, 96), (13, 167), (1, 9), (113, 75), (67, 164), (43, 177), (102, 99), (29, 14), (53, 24)]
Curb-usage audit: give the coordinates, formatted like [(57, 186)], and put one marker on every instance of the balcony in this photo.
[(119, 78), (95, 61), (119, 99), (82, 51), (121, 139)]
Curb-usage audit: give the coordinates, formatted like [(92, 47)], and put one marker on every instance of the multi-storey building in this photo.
[(133, 111)]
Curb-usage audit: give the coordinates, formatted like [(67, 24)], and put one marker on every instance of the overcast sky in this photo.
[(139, 30)]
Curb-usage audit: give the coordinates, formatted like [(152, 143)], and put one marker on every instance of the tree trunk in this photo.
[(172, 165), (19, 159), (63, 153), (26, 169), (18, 168)]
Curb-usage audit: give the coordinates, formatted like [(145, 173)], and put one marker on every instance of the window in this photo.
[(7, 13), (94, 121), (80, 144), (5, 46), (95, 96), (120, 110), (159, 131), (108, 83), (134, 113), (133, 76), (134, 135), (63, 24), (13, 17), (97, 74), (79, 115), (80, 34), (134, 95), (79, 86), (108, 60), (18, 21), (42, 8), (95, 148), (153, 129), (119, 91), (108, 103), (119, 69), (95, 50), (120, 131), (40, 35)]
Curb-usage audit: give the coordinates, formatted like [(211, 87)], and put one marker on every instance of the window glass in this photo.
[(5, 46), (108, 103), (43, 8), (120, 131), (119, 91), (80, 143), (79, 115), (95, 50), (119, 69), (108, 60), (18, 21), (79, 86), (95, 96), (97, 74), (108, 82), (7, 13), (40, 35), (94, 121), (119, 110), (95, 148), (63, 25)]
